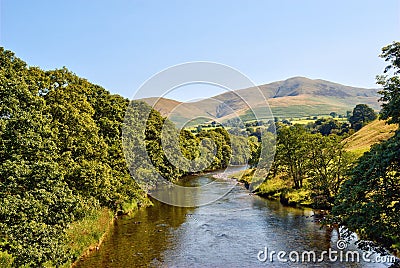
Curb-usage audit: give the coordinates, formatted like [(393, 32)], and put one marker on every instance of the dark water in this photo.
[(227, 233)]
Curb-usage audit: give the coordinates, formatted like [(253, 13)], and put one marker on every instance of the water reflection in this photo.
[(227, 233), (139, 240)]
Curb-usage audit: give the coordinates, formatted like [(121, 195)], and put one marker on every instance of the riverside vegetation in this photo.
[(63, 174), (356, 178)]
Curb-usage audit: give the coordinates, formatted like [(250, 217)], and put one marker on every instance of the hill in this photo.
[(294, 97), (374, 132)]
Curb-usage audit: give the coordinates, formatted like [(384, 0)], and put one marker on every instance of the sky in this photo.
[(121, 44)]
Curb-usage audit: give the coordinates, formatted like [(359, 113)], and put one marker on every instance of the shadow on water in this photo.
[(139, 240)]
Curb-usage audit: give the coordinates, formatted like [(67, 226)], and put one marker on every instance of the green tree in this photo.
[(369, 202), (222, 150), (60, 156), (362, 114), (391, 83), (291, 152), (329, 166), (36, 204)]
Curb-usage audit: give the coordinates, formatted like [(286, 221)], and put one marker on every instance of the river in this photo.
[(229, 232)]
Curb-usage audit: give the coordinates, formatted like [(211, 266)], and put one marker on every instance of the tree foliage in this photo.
[(391, 83), (327, 126), (328, 168), (369, 202), (362, 114), (318, 159), (292, 152), (61, 156)]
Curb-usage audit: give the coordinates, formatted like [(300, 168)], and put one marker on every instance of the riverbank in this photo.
[(277, 188), (83, 236), (228, 232), (87, 235)]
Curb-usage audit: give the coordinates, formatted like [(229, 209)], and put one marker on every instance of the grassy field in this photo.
[(306, 120), (374, 132)]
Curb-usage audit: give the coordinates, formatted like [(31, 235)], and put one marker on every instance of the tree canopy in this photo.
[(362, 114), (369, 202), (61, 156)]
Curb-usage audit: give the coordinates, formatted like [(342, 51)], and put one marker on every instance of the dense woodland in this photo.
[(62, 157)]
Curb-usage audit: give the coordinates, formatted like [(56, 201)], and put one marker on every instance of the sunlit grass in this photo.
[(374, 132), (273, 187), (86, 234), (299, 197)]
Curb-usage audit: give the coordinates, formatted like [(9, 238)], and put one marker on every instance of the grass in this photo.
[(301, 110), (243, 176), (278, 188), (86, 234), (305, 120), (83, 236), (273, 187), (298, 197), (373, 133)]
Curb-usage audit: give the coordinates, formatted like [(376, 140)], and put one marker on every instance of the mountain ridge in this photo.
[(294, 97)]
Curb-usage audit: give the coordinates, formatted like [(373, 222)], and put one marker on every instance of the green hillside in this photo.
[(373, 133), (292, 98)]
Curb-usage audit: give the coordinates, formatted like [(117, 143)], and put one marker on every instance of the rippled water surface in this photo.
[(227, 233)]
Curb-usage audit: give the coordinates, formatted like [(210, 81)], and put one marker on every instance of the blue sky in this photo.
[(120, 44)]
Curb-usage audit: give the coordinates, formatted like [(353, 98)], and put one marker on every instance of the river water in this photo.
[(230, 232)]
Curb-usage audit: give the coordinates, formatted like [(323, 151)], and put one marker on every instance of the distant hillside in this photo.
[(374, 132), (294, 97)]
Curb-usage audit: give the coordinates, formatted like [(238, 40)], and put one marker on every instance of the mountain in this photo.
[(292, 98)]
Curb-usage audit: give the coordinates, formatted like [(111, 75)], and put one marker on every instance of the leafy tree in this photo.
[(291, 152), (369, 202), (327, 126), (362, 114), (329, 165), (255, 151), (35, 202), (223, 150), (391, 84), (60, 156)]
